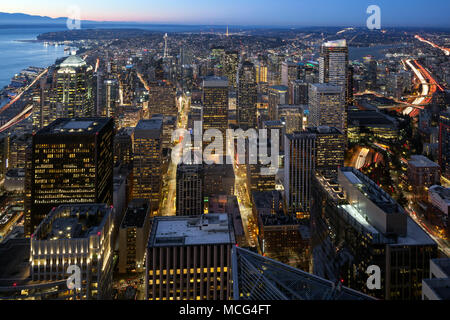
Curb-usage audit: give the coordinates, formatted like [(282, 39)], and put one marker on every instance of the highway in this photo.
[(445, 50)]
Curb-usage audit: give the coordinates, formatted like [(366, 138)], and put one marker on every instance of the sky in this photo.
[(415, 13)]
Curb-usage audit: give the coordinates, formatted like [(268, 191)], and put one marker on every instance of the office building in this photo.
[(71, 162), (327, 106), (218, 179), (247, 95), (147, 161), (299, 164), (329, 151), (73, 86), (133, 235), (298, 92), (230, 67), (289, 72), (333, 65), (356, 224), (277, 95), (123, 146), (189, 190), (422, 173), (80, 235), (109, 98), (162, 99), (189, 258), (444, 144)]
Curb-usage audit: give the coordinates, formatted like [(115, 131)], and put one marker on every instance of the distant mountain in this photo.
[(21, 18)]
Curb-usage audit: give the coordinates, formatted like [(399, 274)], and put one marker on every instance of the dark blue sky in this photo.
[(246, 12)]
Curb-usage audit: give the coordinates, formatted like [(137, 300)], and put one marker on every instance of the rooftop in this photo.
[(72, 221), (279, 88), (212, 228), (150, 124), (73, 62), (422, 161), (326, 87), (214, 82), (74, 126), (136, 213), (336, 43)]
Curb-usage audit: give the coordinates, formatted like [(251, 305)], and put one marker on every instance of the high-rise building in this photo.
[(73, 86), (189, 258), (123, 147), (247, 95), (444, 143), (189, 189), (329, 151), (292, 116), (327, 106), (230, 67), (109, 98), (298, 92), (133, 235), (215, 103), (80, 235), (162, 99), (147, 161), (289, 72), (333, 64), (71, 162), (277, 95), (299, 164), (261, 73), (44, 111), (356, 224)]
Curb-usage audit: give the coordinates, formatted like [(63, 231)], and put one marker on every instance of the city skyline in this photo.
[(252, 13)]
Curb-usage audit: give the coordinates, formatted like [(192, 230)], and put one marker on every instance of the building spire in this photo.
[(227, 34)]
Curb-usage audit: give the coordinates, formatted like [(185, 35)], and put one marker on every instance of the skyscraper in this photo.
[(189, 258), (333, 63), (147, 161), (162, 99), (289, 72), (299, 164), (356, 224), (444, 143), (330, 150), (247, 96), (73, 88), (277, 95), (327, 106), (76, 235), (215, 103), (72, 162), (189, 189), (230, 67), (109, 98)]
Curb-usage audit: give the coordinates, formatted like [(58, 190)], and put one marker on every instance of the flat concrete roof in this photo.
[(212, 228)]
